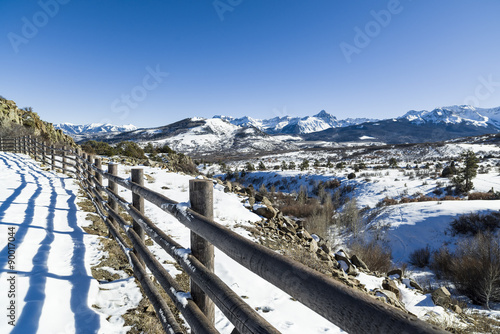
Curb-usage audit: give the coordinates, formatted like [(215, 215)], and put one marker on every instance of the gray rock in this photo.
[(358, 262), (441, 296)]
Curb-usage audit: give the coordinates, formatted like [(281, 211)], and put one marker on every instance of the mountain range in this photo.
[(246, 135)]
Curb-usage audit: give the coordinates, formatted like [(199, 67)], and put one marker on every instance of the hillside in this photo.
[(17, 122)]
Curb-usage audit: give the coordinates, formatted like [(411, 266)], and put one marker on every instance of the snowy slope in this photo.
[(54, 289)]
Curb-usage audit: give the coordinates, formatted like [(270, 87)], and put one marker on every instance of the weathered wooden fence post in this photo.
[(98, 176), (138, 203), (202, 198), (28, 145), (113, 170), (53, 152), (63, 155), (78, 155), (44, 153), (35, 148), (90, 172)]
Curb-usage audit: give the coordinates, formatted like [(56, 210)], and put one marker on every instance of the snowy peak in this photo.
[(463, 114), (93, 128), (294, 125)]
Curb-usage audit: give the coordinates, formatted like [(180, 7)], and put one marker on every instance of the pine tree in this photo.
[(463, 179)]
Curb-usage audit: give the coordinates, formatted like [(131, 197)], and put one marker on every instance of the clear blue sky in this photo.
[(91, 61)]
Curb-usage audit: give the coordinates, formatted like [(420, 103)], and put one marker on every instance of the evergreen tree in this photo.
[(463, 179), (304, 164)]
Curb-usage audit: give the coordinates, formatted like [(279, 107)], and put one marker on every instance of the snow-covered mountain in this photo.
[(223, 135), (463, 114), (295, 125), (200, 136), (73, 129)]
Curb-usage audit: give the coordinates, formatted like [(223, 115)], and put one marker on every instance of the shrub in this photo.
[(130, 149), (421, 257), (441, 262), (349, 217), (473, 223), (351, 176), (475, 268), (374, 255), (483, 196)]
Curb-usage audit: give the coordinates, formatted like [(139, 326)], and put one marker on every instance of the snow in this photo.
[(55, 291), (480, 117), (93, 128), (277, 307), (299, 125)]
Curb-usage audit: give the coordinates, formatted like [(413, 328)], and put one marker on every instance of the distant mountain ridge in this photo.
[(295, 125), (224, 135), (93, 128), (481, 117)]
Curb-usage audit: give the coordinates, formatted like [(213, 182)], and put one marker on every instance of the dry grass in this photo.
[(142, 319), (374, 255), (475, 322)]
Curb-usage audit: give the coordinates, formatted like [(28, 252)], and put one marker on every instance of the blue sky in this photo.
[(154, 62)]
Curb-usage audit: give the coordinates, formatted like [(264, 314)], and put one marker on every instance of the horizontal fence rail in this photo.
[(351, 310)]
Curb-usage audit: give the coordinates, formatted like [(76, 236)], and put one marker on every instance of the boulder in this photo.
[(345, 263), (389, 285), (415, 285), (397, 272), (320, 253), (313, 246), (265, 201), (266, 211), (358, 262), (259, 197), (305, 235), (441, 296), (455, 308)]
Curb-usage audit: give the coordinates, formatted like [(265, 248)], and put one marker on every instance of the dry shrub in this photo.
[(474, 223), (441, 262), (451, 198), (307, 258), (332, 184), (427, 199), (421, 257), (475, 268), (482, 196), (374, 255), (301, 210), (387, 201)]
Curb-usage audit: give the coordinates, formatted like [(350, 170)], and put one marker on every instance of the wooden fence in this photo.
[(351, 310)]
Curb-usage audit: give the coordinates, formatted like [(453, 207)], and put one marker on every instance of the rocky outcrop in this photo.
[(15, 121)]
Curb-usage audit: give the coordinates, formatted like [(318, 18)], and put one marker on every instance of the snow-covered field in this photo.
[(45, 258), (55, 292)]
